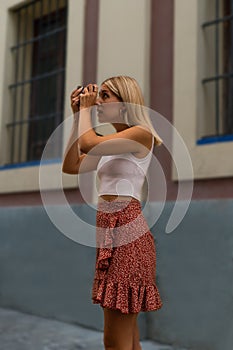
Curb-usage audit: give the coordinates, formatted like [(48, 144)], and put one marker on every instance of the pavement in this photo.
[(20, 331)]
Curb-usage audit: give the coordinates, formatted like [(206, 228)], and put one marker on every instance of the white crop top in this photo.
[(123, 174)]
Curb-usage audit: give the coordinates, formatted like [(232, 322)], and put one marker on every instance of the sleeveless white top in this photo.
[(123, 174)]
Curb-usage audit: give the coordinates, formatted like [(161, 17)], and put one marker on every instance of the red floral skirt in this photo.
[(125, 267)]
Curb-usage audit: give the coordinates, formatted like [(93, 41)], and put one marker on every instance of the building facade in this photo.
[(181, 53)]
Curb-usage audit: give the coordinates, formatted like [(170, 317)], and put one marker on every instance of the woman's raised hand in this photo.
[(75, 99), (88, 96)]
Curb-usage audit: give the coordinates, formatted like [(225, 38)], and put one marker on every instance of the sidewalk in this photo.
[(19, 331)]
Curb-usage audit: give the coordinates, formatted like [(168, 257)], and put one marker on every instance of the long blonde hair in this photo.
[(128, 91)]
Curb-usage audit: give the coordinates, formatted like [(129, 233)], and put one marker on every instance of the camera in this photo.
[(78, 87)]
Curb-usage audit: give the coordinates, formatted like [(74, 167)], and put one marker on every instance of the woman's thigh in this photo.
[(118, 329)]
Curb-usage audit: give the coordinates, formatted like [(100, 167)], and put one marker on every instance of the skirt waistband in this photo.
[(118, 205), (119, 223)]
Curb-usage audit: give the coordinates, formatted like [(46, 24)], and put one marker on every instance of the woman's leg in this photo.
[(118, 330), (136, 337)]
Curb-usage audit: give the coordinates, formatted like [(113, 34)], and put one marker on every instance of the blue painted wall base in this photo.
[(42, 272)]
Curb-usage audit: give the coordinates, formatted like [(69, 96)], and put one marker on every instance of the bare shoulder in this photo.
[(137, 132), (141, 134), (120, 142)]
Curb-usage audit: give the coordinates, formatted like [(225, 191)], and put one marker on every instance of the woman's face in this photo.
[(108, 106)]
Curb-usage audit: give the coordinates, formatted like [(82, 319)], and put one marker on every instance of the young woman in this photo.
[(124, 281)]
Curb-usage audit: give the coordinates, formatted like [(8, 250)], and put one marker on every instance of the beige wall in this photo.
[(212, 160), (124, 35), (123, 49)]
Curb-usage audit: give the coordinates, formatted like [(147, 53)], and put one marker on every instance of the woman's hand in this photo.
[(89, 96), (75, 99)]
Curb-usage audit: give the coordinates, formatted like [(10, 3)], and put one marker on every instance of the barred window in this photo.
[(218, 82), (37, 90)]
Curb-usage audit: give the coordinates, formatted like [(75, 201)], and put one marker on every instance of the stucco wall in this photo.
[(44, 273), (195, 278)]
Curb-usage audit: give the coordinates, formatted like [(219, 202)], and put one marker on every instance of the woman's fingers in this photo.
[(76, 92), (75, 96), (85, 90), (84, 96), (92, 88), (95, 88), (75, 100)]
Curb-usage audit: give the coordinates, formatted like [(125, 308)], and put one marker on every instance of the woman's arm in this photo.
[(72, 154), (72, 158), (133, 139), (73, 161)]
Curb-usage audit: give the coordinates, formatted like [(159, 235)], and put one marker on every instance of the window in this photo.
[(218, 83), (37, 90), (194, 102)]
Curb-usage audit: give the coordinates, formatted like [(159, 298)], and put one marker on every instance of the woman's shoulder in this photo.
[(143, 135)]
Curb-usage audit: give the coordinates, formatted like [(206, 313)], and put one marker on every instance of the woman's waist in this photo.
[(110, 203), (114, 197)]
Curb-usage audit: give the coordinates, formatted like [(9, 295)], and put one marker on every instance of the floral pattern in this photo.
[(125, 267)]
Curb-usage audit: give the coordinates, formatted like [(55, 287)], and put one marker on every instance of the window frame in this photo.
[(220, 19), (212, 160), (30, 117), (25, 176)]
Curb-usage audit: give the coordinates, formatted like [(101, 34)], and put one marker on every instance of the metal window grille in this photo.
[(223, 75), (37, 91)]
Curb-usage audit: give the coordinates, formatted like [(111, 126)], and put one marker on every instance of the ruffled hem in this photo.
[(127, 299)]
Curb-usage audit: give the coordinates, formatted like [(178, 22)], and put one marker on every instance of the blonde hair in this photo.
[(128, 91)]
